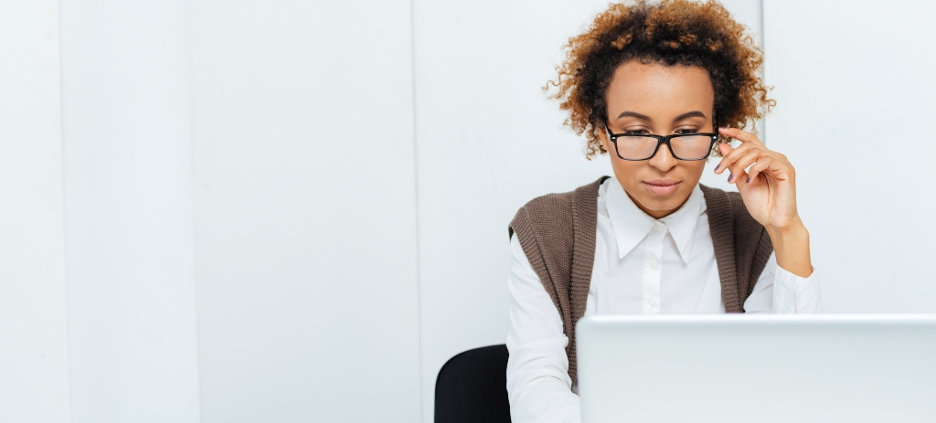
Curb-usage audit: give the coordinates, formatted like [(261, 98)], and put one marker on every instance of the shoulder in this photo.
[(550, 210), (557, 208), (548, 204), (729, 200), (725, 206)]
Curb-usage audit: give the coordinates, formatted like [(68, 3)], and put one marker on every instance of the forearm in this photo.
[(538, 383), (545, 401), (791, 246)]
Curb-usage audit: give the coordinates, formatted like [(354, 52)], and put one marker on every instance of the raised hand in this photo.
[(768, 189)]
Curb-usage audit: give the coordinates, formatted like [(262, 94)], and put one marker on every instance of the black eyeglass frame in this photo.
[(663, 139)]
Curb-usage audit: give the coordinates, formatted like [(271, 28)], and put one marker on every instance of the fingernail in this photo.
[(717, 167), (748, 180), (730, 176)]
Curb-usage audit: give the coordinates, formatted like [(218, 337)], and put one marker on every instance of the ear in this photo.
[(602, 133)]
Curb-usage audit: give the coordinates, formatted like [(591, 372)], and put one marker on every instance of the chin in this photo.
[(662, 205), (666, 204)]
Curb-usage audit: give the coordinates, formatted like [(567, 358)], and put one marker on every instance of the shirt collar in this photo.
[(631, 225), (682, 223)]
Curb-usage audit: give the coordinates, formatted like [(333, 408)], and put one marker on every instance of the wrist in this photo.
[(794, 232), (791, 246)]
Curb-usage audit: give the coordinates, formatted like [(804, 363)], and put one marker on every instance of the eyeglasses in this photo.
[(687, 147)]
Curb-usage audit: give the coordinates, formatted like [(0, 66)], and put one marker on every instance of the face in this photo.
[(660, 100)]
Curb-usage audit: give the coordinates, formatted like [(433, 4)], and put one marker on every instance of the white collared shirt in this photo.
[(642, 266)]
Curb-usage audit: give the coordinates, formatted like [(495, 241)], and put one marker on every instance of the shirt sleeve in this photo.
[(779, 291), (538, 382)]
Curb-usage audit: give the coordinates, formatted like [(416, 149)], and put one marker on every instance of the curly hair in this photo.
[(672, 32)]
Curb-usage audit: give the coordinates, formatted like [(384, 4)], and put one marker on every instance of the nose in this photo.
[(663, 159)]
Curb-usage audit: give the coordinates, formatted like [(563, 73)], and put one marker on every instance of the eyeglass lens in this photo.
[(688, 147)]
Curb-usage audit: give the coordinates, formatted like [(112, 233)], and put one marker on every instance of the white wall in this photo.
[(854, 87), (33, 329), (297, 211), (305, 212), (128, 211)]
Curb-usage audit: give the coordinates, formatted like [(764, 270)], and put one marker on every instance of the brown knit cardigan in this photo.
[(557, 233)]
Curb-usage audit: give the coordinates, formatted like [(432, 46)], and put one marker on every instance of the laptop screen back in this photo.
[(757, 369)]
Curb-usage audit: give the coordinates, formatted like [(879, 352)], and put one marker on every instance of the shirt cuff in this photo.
[(795, 294)]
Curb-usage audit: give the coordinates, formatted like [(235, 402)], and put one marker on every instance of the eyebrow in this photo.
[(694, 113), (635, 115)]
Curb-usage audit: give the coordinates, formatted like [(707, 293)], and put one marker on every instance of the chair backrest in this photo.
[(472, 387)]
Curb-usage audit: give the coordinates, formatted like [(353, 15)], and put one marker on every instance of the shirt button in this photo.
[(657, 227), (653, 263), (651, 303)]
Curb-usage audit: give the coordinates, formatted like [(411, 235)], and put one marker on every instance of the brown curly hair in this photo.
[(672, 32)]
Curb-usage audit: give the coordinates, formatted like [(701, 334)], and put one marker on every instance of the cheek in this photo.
[(628, 173), (694, 169)]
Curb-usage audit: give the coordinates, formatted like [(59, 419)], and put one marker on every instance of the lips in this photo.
[(662, 186)]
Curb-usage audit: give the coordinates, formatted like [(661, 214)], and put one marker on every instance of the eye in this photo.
[(686, 131), (636, 132)]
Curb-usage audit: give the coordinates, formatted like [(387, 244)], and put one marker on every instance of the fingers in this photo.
[(724, 148), (736, 160), (744, 137), (738, 167), (730, 156), (739, 159), (761, 165), (751, 159)]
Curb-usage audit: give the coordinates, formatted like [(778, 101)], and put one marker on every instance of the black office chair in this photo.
[(471, 387)]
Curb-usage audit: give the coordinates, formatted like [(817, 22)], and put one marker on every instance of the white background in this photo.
[(284, 211)]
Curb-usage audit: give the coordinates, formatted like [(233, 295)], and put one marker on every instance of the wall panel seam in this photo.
[(419, 325), (61, 76), (194, 185)]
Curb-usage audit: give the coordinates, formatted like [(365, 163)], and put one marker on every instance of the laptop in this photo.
[(757, 368)]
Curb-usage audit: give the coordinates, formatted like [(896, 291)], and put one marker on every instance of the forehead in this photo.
[(659, 91)]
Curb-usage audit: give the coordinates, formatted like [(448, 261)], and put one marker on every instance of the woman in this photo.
[(660, 87)]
